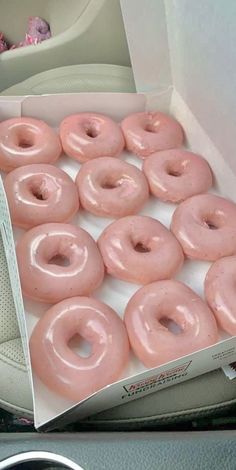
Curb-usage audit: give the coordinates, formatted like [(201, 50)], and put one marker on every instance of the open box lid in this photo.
[(201, 64)]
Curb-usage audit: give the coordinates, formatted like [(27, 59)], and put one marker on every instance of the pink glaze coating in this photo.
[(109, 187), (86, 136), (58, 261), (205, 225), (174, 175), (38, 194), (220, 292), (62, 370), (148, 313), (140, 249), (27, 140), (149, 132)]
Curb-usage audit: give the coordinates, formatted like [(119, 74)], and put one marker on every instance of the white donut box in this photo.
[(183, 58)]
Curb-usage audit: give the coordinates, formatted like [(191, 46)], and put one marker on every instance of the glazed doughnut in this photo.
[(149, 132), (111, 187), (147, 318), (140, 249), (89, 135), (38, 194), (58, 261), (205, 226), (174, 175), (27, 140), (62, 370), (220, 292)]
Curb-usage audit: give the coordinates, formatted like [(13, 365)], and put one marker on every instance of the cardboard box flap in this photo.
[(191, 46)]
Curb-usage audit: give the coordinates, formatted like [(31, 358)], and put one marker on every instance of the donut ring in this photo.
[(27, 140), (174, 175), (111, 187), (140, 249), (89, 135), (148, 313), (220, 292), (60, 368), (58, 261), (205, 226), (149, 132), (38, 194)]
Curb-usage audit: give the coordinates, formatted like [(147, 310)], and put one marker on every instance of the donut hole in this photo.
[(25, 139), (60, 260), (174, 170), (210, 225), (171, 325), (80, 346), (24, 144), (91, 131), (141, 248), (108, 183), (213, 222), (39, 192), (150, 128)]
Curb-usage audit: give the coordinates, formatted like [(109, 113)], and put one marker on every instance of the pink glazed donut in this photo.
[(38, 194), (149, 132), (140, 249), (58, 261), (205, 226), (62, 370), (89, 135), (27, 140), (149, 314), (220, 292), (174, 175), (109, 187)]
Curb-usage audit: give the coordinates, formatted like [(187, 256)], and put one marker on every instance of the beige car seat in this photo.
[(83, 32), (75, 79)]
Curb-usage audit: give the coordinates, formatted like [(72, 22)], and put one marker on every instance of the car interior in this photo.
[(189, 425)]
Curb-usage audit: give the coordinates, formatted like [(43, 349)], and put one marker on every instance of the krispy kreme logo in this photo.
[(150, 382)]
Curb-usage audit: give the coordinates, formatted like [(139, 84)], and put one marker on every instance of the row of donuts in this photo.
[(58, 261), (110, 337), (204, 224), (85, 136), (20, 141), (41, 193)]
